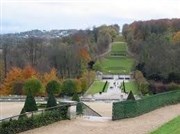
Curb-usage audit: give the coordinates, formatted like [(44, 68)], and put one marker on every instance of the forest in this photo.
[(156, 47), (70, 57)]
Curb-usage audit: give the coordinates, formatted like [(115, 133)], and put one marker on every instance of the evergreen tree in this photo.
[(130, 96), (31, 87), (51, 101), (53, 87)]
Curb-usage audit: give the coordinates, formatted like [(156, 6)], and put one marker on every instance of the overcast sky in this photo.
[(23, 15)]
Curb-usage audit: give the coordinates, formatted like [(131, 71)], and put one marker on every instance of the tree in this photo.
[(176, 38), (130, 96), (68, 87), (123, 87), (18, 88), (16, 75), (53, 87), (51, 102), (75, 97), (143, 84), (78, 86), (52, 75), (32, 86)]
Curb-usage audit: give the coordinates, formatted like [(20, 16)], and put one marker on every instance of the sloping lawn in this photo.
[(118, 62), (119, 46), (172, 127), (131, 86), (117, 65), (96, 87)]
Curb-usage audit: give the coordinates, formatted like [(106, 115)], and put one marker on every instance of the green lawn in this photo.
[(131, 85), (122, 64), (117, 65), (172, 127), (119, 46), (96, 87)]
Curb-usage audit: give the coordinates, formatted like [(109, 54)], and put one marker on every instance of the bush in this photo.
[(51, 101), (130, 96), (79, 108), (32, 86), (24, 124), (30, 104), (69, 87), (131, 108), (75, 97), (53, 87)]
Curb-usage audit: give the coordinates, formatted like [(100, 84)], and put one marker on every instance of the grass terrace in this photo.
[(117, 62), (132, 86), (97, 87)]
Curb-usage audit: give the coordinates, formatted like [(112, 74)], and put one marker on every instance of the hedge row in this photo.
[(25, 123), (132, 108)]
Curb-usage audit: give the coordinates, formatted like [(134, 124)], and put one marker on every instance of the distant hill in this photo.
[(41, 34)]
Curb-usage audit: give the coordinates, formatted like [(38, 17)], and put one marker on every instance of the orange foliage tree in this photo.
[(52, 75), (16, 75), (176, 38), (85, 54)]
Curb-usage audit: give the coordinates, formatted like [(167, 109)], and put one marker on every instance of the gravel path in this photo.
[(139, 125), (8, 109)]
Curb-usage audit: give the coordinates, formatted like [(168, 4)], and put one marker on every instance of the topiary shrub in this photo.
[(51, 101), (30, 104), (75, 97), (69, 87), (53, 87), (130, 96), (32, 86)]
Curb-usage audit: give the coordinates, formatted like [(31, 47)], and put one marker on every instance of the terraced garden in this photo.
[(117, 61), (97, 87), (132, 86)]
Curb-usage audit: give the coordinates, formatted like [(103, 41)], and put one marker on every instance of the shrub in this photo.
[(69, 87), (51, 101), (53, 87), (126, 109), (24, 124), (75, 97), (130, 96), (30, 104), (32, 86)]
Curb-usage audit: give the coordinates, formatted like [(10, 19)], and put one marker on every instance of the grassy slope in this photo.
[(172, 127), (96, 87), (131, 86), (117, 65)]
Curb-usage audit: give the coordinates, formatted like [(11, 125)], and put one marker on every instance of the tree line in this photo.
[(71, 55), (156, 46), (66, 54)]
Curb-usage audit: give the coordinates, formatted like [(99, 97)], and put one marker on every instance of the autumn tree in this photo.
[(142, 83), (16, 75), (176, 38)]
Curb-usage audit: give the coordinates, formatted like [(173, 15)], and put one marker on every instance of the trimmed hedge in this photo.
[(130, 108), (24, 124)]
